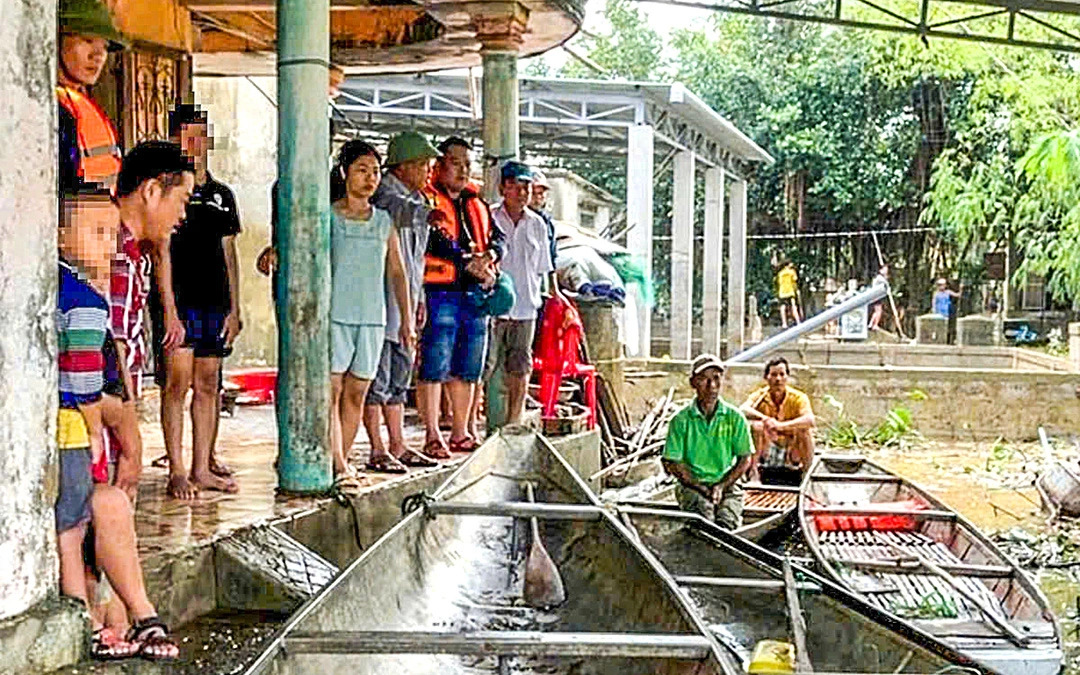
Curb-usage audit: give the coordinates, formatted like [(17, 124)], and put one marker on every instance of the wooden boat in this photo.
[(747, 594), (766, 508), (441, 593), (911, 555)]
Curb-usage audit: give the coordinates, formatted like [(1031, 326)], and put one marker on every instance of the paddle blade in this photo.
[(543, 584)]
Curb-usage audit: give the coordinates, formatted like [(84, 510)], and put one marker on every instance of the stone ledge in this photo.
[(48, 636)]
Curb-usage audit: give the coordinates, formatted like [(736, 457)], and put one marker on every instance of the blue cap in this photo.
[(517, 171)]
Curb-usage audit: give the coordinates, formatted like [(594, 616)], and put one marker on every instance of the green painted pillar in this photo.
[(304, 460), (500, 107)]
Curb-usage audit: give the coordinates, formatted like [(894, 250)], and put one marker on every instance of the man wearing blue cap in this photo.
[(527, 260)]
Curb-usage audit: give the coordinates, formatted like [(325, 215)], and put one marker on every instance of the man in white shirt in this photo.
[(527, 260)]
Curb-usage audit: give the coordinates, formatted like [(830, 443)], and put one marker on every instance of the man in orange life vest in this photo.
[(461, 255)]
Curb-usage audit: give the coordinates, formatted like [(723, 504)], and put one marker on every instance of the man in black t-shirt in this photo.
[(205, 280)]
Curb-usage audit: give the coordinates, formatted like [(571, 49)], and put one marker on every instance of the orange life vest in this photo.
[(439, 270), (99, 146)]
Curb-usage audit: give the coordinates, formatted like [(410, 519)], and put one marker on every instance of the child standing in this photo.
[(364, 251)]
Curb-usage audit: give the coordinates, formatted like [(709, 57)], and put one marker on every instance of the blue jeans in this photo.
[(453, 341)]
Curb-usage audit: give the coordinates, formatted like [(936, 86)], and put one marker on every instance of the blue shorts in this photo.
[(355, 349), (76, 488), (202, 332), (454, 337), (391, 382)]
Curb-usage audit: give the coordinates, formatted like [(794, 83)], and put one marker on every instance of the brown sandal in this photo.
[(464, 444), (386, 464), (436, 449), (418, 459)]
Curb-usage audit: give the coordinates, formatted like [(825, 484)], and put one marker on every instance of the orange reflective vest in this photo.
[(440, 270), (99, 146)]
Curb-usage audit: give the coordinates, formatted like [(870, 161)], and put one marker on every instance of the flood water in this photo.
[(991, 484)]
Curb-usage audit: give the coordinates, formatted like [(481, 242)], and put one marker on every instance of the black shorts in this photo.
[(202, 332), (114, 380)]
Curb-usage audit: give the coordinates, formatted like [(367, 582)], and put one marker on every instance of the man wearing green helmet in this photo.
[(408, 162)]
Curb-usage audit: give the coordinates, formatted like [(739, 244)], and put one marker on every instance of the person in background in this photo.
[(942, 300), (878, 310), (364, 255), (205, 280), (787, 283), (527, 260), (708, 448), (781, 421), (462, 251), (408, 160), (538, 197)]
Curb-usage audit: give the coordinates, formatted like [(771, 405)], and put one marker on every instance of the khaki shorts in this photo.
[(510, 347), (727, 513)]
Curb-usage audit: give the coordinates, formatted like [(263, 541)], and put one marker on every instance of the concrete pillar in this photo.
[(500, 107), (639, 218), (975, 331), (304, 460), (714, 256), (736, 308), (682, 255), (28, 273), (932, 329)]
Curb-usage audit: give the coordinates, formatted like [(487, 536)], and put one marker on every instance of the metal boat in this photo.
[(747, 594), (912, 556), (442, 592), (765, 507)]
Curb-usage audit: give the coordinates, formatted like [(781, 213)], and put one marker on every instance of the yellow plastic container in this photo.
[(772, 657)]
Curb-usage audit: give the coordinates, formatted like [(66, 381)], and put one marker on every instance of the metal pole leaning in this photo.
[(872, 294), (303, 284)]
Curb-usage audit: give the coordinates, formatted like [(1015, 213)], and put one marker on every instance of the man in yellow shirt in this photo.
[(787, 281), (781, 421)]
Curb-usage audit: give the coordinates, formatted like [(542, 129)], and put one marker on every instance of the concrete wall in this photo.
[(813, 353), (962, 403), (244, 123), (28, 274)]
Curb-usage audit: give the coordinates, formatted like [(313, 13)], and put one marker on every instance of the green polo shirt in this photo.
[(709, 448)]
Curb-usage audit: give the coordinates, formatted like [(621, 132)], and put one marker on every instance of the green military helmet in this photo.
[(409, 145), (90, 17)]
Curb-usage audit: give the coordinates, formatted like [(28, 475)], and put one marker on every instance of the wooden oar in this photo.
[(543, 584)]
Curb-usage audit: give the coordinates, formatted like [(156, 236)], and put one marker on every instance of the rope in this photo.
[(851, 233)]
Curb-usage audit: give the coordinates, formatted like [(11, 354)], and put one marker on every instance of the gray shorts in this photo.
[(727, 513), (76, 488), (391, 382), (355, 349), (510, 347)]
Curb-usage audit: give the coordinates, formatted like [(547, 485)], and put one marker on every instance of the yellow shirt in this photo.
[(787, 279), (795, 404)]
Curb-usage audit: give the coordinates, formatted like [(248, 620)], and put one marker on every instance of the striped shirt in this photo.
[(710, 448), (82, 318), (129, 287)]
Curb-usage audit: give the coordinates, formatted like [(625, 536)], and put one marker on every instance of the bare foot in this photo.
[(181, 488), (209, 481), (220, 468)]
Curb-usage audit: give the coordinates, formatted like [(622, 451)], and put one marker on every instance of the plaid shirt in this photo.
[(129, 288)]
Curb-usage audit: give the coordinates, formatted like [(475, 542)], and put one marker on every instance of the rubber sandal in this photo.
[(106, 645), (386, 464), (436, 449), (161, 462), (417, 459), (151, 635), (464, 444)]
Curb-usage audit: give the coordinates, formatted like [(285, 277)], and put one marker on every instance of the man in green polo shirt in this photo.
[(709, 448)]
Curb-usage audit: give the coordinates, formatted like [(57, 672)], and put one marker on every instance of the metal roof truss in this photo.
[(584, 125)]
